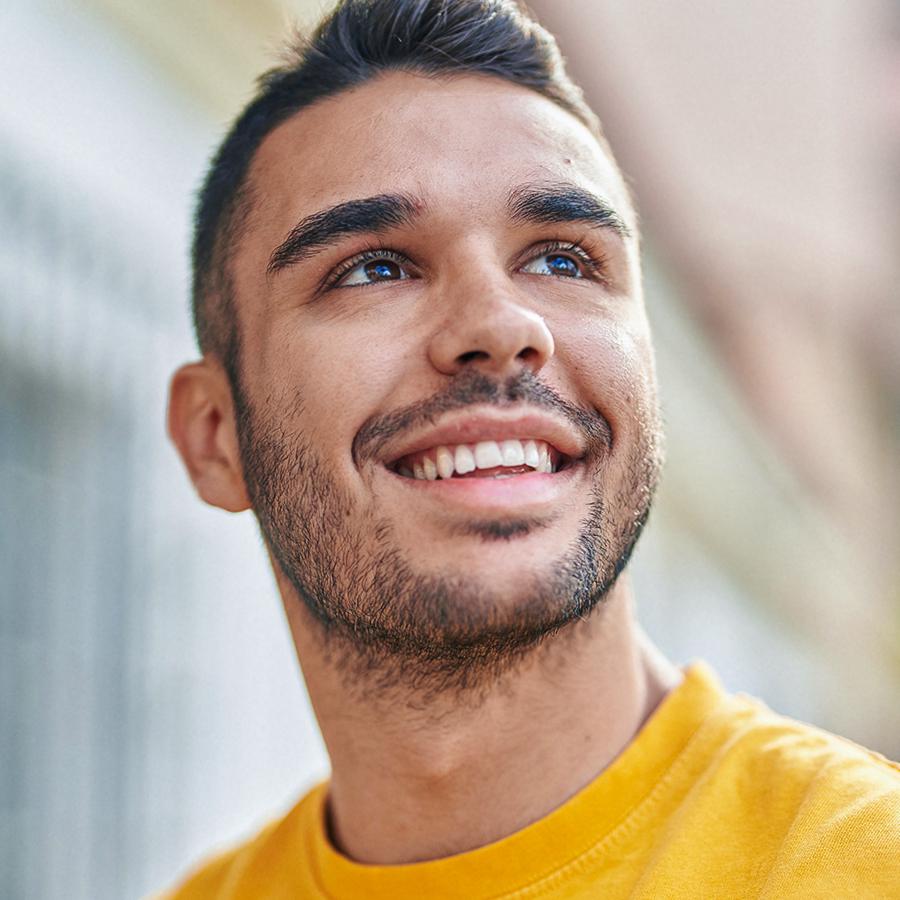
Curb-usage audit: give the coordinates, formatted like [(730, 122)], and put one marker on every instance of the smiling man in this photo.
[(427, 369)]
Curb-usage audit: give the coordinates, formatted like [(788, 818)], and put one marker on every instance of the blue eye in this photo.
[(562, 265), (382, 271), (555, 263), (373, 268)]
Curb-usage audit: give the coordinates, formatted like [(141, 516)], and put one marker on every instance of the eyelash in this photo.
[(348, 265), (594, 267)]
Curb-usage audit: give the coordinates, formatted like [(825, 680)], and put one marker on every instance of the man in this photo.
[(428, 371)]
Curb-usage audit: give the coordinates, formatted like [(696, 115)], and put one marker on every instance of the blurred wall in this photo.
[(151, 704)]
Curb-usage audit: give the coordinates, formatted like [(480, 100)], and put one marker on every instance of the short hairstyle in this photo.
[(356, 42)]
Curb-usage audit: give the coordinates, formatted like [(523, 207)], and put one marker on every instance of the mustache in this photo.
[(472, 387)]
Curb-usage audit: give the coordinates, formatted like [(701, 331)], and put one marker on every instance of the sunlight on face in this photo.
[(440, 273)]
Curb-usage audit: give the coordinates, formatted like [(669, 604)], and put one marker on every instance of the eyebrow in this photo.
[(537, 204), (546, 204), (369, 215)]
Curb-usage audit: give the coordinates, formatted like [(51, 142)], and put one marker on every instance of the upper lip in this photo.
[(470, 428)]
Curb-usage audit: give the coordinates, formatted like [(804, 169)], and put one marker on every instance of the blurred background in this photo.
[(152, 708)]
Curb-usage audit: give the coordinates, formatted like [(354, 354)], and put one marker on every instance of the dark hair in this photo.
[(352, 45)]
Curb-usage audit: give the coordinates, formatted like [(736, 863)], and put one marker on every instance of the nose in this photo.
[(490, 329)]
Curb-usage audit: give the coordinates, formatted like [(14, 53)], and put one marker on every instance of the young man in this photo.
[(427, 369)]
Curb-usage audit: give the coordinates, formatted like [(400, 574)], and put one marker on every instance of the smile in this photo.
[(507, 458)]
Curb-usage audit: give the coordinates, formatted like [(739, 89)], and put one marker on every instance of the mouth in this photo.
[(509, 458), (491, 463)]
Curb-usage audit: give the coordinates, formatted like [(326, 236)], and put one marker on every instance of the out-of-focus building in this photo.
[(152, 707)]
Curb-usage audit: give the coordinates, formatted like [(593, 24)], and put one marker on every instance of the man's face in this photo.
[(484, 298)]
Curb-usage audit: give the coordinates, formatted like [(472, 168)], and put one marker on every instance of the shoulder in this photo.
[(836, 803), (785, 747), (273, 855)]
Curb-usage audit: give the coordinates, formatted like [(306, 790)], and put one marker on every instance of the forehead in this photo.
[(460, 143)]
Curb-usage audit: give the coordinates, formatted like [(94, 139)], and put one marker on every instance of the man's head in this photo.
[(415, 254), (359, 41)]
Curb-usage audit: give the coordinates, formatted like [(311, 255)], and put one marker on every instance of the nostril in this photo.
[(531, 358), (472, 355)]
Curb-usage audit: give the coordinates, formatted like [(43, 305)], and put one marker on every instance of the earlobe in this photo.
[(201, 424)]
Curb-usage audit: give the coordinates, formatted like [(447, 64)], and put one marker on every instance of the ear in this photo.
[(201, 425)]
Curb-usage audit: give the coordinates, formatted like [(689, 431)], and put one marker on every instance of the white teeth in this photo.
[(444, 462), (544, 457), (465, 460), (488, 455), (513, 454)]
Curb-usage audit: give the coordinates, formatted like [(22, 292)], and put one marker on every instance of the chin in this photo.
[(509, 531), (499, 563)]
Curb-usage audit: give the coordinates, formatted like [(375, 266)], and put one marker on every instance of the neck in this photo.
[(411, 784)]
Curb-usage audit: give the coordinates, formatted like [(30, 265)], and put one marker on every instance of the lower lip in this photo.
[(516, 492)]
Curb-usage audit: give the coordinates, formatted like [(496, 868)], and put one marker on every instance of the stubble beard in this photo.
[(391, 629)]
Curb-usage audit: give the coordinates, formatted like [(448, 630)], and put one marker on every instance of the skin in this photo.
[(424, 772)]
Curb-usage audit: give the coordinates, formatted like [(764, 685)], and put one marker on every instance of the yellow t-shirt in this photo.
[(717, 797)]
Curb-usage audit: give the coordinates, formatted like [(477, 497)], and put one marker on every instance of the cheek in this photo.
[(608, 364), (332, 376)]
